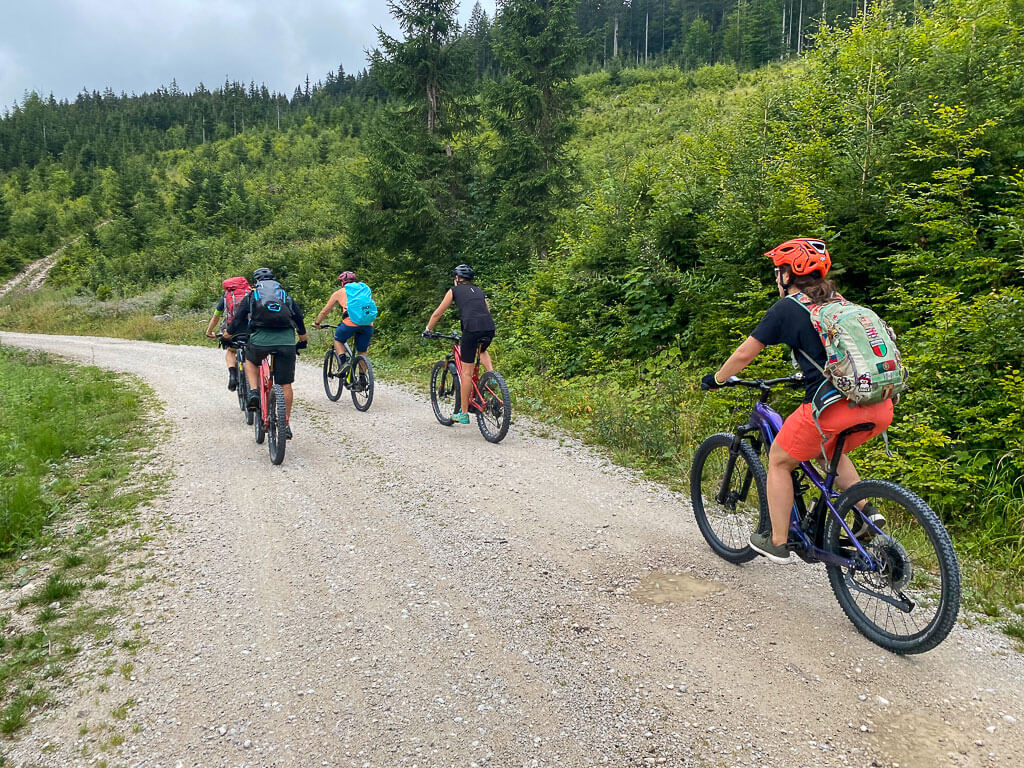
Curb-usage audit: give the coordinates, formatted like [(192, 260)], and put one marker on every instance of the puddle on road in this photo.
[(658, 587)]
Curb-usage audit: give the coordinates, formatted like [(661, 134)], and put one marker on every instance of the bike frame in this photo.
[(476, 399), (266, 372), (766, 422)]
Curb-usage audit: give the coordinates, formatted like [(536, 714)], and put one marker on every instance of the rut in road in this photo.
[(398, 593)]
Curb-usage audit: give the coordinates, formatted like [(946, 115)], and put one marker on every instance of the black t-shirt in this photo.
[(473, 312), (788, 322)]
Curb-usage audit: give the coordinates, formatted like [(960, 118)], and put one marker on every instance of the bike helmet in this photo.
[(464, 271), (803, 255), (347, 277), (262, 274)]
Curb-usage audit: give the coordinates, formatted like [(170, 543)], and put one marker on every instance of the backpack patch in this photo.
[(359, 304), (864, 365), (271, 306)]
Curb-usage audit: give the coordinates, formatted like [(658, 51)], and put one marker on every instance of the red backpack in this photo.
[(235, 290)]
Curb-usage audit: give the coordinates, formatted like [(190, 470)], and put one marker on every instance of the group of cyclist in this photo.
[(801, 267), (242, 321)]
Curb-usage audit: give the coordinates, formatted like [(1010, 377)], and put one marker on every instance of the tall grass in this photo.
[(56, 421)]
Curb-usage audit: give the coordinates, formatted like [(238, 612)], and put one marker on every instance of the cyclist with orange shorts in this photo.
[(802, 266)]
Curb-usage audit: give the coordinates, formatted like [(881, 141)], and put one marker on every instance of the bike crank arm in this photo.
[(905, 604)]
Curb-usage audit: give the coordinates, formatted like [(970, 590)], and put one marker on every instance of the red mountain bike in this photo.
[(271, 421), (490, 399)]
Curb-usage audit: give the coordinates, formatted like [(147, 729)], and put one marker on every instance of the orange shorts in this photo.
[(799, 437)]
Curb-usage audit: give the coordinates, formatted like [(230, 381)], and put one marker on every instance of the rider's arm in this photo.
[(740, 359), (331, 302), (441, 309), (213, 322), (300, 324)]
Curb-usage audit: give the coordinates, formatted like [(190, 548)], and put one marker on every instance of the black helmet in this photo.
[(262, 274), (464, 271)]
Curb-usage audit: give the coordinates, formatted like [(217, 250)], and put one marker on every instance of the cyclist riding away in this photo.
[(271, 317), (235, 289), (801, 267), (351, 289), (477, 329)]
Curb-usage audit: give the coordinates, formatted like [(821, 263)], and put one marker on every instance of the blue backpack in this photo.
[(360, 306)]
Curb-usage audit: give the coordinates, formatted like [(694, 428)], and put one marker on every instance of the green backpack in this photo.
[(864, 364)]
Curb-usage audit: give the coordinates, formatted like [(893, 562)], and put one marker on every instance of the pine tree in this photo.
[(533, 111), (5, 217), (423, 68)]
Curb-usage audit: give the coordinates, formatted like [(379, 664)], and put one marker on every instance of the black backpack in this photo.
[(271, 306)]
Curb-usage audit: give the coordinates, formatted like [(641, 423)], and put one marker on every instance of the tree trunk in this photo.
[(800, 30), (615, 39)]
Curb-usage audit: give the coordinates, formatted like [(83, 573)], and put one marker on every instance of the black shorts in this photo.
[(471, 340), (284, 360)]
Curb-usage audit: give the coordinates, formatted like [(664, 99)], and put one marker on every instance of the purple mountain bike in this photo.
[(897, 579)]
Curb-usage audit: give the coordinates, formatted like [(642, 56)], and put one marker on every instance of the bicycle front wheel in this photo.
[(444, 391), (496, 414), (728, 491), (362, 384), (333, 376), (277, 419), (910, 601)]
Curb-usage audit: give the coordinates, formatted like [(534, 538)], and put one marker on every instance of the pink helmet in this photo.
[(347, 277)]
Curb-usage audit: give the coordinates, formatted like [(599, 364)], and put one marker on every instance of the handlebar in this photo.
[(435, 335), (327, 325), (796, 380)]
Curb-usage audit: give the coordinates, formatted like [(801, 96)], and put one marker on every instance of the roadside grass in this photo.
[(74, 445)]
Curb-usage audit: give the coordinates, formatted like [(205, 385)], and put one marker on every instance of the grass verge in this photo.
[(74, 449)]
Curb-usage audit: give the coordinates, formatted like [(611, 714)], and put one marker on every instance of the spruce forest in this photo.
[(614, 172)]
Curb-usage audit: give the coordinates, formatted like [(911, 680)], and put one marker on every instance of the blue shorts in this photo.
[(363, 334)]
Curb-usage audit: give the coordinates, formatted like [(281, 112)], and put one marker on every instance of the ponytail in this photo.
[(818, 289)]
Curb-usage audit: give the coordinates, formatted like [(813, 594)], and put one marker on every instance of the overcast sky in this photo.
[(63, 46)]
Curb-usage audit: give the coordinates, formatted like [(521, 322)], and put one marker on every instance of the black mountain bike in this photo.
[(354, 374)]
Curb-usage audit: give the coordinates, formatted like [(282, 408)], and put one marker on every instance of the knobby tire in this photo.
[(333, 376), (496, 415), (444, 391), (362, 397), (920, 566), (277, 418), (727, 526)]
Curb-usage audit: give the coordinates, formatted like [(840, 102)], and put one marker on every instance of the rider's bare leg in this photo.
[(287, 389), (780, 492), (485, 361), (252, 375)]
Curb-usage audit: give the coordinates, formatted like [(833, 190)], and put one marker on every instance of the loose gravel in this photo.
[(399, 593)]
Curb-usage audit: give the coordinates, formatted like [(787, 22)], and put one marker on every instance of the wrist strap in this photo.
[(715, 377)]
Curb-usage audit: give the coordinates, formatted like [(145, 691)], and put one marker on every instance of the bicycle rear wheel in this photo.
[(277, 418), (333, 376), (496, 415), (444, 391), (257, 426), (729, 496), (362, 386), (910, 603)]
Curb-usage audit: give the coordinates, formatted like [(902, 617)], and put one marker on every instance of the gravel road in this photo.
[(402, 594)]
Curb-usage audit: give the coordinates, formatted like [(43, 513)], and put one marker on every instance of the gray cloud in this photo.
[(65, 46)]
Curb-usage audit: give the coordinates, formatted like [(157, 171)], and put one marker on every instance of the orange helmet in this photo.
[(803, 255)]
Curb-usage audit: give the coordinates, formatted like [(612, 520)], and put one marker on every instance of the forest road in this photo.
[(398, 593)]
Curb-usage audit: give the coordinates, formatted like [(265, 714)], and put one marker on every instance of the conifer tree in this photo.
[(533, 110)]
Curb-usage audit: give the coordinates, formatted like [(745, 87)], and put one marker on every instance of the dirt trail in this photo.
[(401, 594), (32, 277)]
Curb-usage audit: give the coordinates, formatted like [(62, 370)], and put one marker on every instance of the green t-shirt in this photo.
[(272, 337)]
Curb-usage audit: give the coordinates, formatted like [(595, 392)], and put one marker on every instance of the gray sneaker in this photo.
[(762, 544), (861, 530)]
